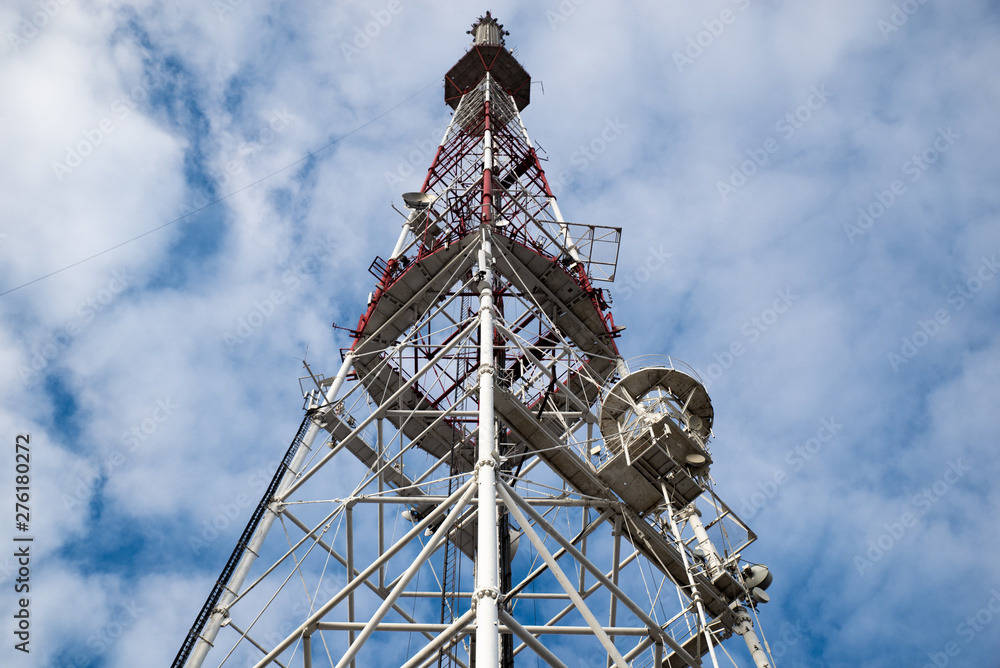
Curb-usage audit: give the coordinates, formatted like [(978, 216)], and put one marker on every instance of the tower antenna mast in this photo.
[(486, 477)]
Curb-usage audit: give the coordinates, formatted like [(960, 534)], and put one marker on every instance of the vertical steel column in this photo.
[(616, 555), (693, 516), (487, 594), (695, 594), (744, 627), (583, 548), (350, 572), (487, 155), (380, 444)]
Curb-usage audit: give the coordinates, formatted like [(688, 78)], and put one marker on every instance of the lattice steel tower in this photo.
[(486, 481)]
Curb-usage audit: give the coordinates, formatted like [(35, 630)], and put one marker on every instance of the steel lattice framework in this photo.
[(485, 479)]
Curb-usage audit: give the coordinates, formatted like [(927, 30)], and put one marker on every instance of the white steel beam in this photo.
[(439, 537), (695, 594), (371, 418), (487, 595), (377, 589), (560, 576), (529, 639), (211, 628), (447, 635), (744, 627), (511, 497), (372, 568)]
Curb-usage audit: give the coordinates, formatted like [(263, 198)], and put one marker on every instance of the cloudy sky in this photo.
[(192, 192)]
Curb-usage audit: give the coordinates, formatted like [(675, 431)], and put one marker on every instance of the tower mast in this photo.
[(512, 437)]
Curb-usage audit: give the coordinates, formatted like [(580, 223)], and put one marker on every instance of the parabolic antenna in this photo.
[(658, 405), (651, 435), (417, 201)]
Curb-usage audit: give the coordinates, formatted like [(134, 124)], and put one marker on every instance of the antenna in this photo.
[(417, 201), (485, 470)]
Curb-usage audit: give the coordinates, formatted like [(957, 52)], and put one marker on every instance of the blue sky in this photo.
[(808, 199)]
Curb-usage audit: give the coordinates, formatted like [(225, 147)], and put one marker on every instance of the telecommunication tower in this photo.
[(486, 481)]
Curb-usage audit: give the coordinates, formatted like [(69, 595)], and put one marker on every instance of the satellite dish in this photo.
[(757, 575), (759, 595), (417, 201), (515, 540), (695, 459), (695, 423)]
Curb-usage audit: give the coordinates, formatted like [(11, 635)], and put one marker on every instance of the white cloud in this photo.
[(239, 95)]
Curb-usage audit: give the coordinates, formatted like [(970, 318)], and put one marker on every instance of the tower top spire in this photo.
[(487, 31), (487, 54)]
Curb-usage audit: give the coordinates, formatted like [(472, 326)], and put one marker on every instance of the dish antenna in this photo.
[(418, 201)]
